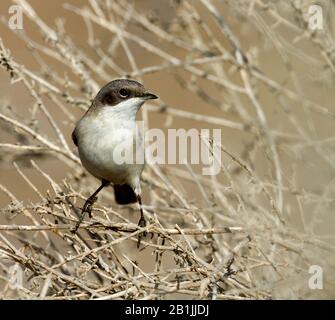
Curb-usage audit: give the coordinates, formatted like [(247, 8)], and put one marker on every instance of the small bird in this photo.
[(109, 123)]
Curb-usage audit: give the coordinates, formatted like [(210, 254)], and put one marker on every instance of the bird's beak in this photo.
[(149, 96)]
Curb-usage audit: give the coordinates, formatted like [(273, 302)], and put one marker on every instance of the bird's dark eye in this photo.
[(124, 93)]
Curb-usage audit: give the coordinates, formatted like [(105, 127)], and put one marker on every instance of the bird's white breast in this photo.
[(101, 138)]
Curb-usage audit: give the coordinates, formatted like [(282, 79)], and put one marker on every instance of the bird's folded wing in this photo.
[(74, 137)]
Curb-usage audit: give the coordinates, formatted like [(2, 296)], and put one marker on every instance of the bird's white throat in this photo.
[(125, 110)]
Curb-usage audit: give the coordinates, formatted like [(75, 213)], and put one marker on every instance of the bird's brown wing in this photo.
[(74, 137)]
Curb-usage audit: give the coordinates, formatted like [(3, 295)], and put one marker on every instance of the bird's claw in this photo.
[(142, 223), (88, 206)]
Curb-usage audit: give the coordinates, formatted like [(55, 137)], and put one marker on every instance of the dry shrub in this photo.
[(250, 67)]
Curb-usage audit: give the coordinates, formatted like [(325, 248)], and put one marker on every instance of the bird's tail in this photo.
[(124, 194)]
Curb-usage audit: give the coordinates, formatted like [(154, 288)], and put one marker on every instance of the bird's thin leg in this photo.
[(142, 223), (89, 203)]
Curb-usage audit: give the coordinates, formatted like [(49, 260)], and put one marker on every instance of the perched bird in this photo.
[(109, 123)]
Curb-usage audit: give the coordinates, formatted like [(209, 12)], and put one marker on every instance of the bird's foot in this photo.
[(86, 208), (142, 223)]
